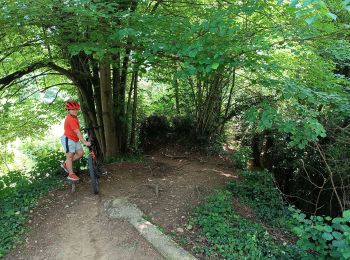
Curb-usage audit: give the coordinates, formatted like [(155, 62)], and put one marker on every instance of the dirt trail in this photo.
[(166, 188)]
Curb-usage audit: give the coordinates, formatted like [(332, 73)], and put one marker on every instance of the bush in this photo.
[(183, 127), (241, 156), (298, 172), (153, 131), (47, 159), (326, 236), (20, 191)]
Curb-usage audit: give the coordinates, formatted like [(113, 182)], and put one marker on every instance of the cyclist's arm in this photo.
[(81, 138)]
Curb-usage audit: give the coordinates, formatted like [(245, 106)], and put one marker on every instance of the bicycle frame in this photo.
[(91, 138), (93, 163)]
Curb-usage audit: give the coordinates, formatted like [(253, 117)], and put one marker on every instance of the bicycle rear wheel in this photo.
[(93, 174)]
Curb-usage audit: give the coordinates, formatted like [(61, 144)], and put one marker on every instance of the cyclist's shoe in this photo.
[(64, 167), (73, 177)]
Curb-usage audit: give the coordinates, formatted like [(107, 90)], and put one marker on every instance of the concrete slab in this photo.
[(121, 208)]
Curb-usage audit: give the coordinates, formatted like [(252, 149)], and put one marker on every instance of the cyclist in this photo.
[(70, 139)]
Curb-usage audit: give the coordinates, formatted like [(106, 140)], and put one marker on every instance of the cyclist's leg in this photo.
[(69, 165), (69, 162), (78, 154), (70, 148)]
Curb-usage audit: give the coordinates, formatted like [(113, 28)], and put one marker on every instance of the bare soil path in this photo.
[(166, 188)]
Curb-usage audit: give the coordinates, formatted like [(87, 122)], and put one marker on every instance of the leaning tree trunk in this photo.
[(107, 110), (80, 68)]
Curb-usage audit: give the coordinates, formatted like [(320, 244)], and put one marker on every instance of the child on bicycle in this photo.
[(70, 139)]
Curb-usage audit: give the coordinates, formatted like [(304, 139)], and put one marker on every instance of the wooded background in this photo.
[(276, 70)]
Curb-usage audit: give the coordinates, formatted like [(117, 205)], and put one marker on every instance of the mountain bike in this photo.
[(94, 163)]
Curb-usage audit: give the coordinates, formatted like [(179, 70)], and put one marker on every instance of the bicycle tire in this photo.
[(93, 176)]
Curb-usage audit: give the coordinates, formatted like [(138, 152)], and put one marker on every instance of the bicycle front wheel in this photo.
[(93, 174)]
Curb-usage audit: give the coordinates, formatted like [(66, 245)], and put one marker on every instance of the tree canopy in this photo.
[(273, 61)]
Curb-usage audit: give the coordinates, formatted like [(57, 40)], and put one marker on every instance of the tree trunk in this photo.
[(97, 97), (107, 110), (80, 68), (229, 100), (176, 87), (121, 115), (256, 150), (134, 115)]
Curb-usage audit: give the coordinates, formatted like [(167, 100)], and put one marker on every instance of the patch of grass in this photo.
[(223, 233)]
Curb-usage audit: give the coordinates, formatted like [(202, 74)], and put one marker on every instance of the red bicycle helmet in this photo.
[(71, 105)]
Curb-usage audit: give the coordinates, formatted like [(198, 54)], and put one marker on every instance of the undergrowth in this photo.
[(257, 190), (21, 191), (230, 236)]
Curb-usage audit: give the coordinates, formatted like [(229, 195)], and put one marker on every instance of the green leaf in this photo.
[(311, 19), (333, 16), (320, 228), (294, 3), (214, 66), (193, 53), (337, 235), (298, 230), (327, 236), (328, 228), (346, 253), (339, 243), (346, 215)]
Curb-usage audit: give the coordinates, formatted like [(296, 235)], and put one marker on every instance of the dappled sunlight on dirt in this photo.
[(167, 186), (222, 173)]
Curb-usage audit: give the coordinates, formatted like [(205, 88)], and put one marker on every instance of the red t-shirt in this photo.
[(70, 124)]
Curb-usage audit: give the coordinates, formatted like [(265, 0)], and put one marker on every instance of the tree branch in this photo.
[(5, 81)]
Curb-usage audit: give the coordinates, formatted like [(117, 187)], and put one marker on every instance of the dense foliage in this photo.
[(236, 235), (330, 238), (272, 60), (258, 191), (232, 236), (278, 69), (20, 192)]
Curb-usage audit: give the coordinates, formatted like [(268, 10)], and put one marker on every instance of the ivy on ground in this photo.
[(232, 237), (21, 191)]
